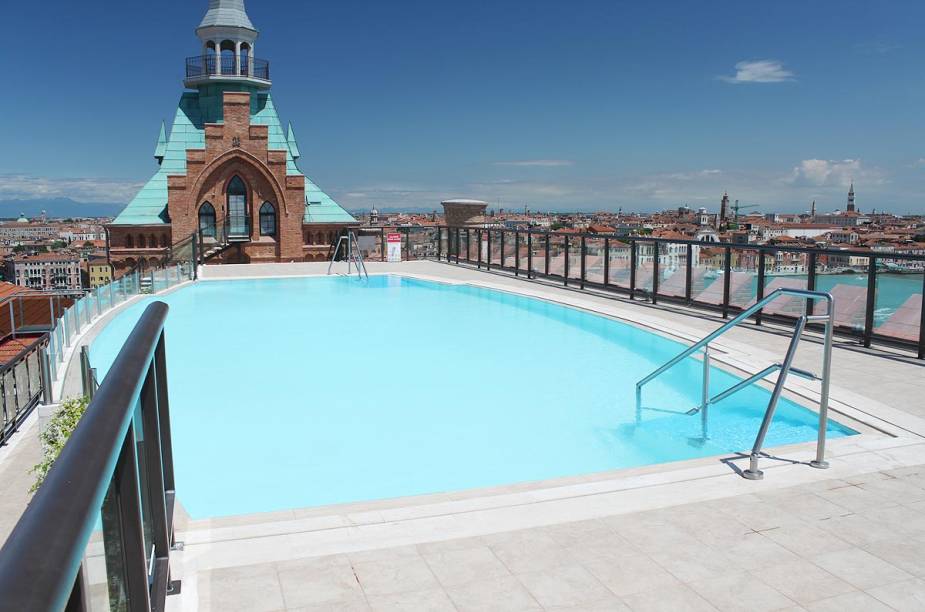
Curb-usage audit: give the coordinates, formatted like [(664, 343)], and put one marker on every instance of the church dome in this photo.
[(22, 218)]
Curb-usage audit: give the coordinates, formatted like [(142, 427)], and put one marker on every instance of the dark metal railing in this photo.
[(201, 66), (722, 277), (117, 465), (24, 382)]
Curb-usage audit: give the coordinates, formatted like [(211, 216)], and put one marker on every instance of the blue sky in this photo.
[(555, 105)]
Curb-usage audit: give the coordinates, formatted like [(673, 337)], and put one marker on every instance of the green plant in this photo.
[(56, 435)]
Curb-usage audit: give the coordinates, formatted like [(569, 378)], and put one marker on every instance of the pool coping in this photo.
[(894, 441)]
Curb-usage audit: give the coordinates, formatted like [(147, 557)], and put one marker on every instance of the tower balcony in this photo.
[(204, 69)]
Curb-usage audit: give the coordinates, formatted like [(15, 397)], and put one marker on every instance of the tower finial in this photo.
[(161, 149)]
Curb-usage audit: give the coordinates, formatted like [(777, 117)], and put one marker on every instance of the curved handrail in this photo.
[(805, 293), (41, 558), (753, 473)]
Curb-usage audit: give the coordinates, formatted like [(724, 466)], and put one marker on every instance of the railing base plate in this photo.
[(819, 465), (753, 475)]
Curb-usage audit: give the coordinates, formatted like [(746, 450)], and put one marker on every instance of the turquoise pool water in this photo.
[(287, 393)]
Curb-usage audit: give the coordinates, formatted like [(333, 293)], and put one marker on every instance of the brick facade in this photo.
[(234, 147)]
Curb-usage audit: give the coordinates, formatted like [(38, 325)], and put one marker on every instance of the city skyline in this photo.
[(639, 108)]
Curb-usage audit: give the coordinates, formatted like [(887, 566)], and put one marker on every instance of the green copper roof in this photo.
[(161, 147), (293, 145), (321, 208), (227, 13), (196, 108)]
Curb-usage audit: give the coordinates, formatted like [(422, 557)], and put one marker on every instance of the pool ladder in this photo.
[(784, 368), (352, 254)]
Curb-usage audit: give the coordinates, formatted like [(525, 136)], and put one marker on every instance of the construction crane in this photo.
[(736, 208)]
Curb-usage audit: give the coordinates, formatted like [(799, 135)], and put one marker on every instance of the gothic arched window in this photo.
[(267, 220), (237, 207), (207, 220)]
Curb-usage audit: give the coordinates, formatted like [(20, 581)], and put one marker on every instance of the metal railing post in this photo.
[(516, 253), (606, 262), (488, 249), (871, 300), (705, 391), (760, 287), (820, 461), (753, 473), (45, 373), (689, 275), (656, 271), (529, 254), (632, 269), (478, 237), (727, 274), (567, 266), (583, 261)]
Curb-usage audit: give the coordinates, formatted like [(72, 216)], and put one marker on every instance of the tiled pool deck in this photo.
[(689, 535)]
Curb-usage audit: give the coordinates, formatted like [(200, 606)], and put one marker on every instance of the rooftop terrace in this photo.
[(685, 535)]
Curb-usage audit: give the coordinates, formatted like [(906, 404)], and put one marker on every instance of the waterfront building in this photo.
[(100, 272), (46, 271), (228, 171)]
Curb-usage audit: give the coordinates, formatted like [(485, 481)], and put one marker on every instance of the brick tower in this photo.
[(228, 171)]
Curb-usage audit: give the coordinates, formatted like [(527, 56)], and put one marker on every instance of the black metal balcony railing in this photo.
[(878, 295), (202, 66), (116, 473)]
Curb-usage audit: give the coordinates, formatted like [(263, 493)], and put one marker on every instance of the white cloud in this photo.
[(96, 190), (759, 71), (828, 173), (539, 163)]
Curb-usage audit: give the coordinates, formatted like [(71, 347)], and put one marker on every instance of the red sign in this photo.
[(394, 238)]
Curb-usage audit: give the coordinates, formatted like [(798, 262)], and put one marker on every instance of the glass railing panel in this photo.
[(523, 263), (104, 560), (743, 282), (619, 253), (538, 247), (35, 373), (898, 305), (845, 277), (672, 269), (510, 250), (645, 264), (788, 270), (23, 395), (9, 395), (594, 260), (556, 255), (707, 276), (574, 257), (496, 239)]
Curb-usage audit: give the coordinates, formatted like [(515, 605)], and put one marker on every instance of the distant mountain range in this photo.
[(60, 208)]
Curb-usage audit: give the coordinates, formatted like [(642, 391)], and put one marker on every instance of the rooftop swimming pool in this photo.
[(298, 392)]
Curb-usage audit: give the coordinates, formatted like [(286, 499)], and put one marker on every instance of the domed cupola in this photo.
[(228, 38)]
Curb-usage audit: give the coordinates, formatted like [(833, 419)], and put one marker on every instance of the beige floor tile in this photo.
[(433, 600), (741, 591), (860, 568), (753, 551), (564, 586), (856, 601), (905, 596), (579, 533), (400, 575), (709, 562), (803, 582), (669, 599), (241, 589), (807, 539), (495, 595), (625, 575), (456, 567), (527, 552), (608, 605), (319, 584), (908, 554)]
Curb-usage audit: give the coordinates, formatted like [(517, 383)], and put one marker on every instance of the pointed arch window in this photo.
[(267, 220), (207, 220), (237, 207)]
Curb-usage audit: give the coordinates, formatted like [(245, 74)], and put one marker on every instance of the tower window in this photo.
[(267, 220)]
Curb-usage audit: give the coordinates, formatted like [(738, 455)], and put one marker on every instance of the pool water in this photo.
[(297, 392)]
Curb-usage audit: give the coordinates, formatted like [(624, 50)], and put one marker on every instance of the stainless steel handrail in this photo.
[(353, 255), (753, 473)]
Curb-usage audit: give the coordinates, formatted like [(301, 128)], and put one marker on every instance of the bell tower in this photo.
[(228, 38)]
